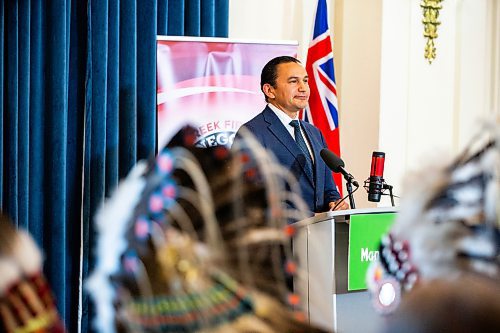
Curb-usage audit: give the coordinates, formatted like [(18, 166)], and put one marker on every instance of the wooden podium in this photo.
[(321, 245)]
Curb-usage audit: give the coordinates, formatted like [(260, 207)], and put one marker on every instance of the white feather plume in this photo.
[(10, 274), (111, 223), (27, 254)]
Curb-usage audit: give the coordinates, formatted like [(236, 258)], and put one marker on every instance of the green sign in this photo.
[(365, 232)]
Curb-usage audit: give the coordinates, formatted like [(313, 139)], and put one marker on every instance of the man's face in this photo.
[(291, 93)]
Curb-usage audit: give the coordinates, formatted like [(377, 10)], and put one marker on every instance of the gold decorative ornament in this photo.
[(431, 14)]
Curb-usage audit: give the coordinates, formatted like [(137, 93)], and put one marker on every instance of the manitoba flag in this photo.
[(323, 106)]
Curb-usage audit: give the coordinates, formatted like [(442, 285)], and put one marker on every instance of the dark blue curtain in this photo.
[(77, 110)]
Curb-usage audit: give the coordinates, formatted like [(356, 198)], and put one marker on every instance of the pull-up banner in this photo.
[(212, 84)]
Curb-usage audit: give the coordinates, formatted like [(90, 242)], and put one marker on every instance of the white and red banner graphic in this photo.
[(212, 84)]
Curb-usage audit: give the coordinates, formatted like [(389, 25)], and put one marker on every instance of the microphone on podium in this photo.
[(376, 180), (336, 164), (375, 185)]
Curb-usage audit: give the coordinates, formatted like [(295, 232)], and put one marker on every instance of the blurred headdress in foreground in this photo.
[(26, 301), (448, 225), (198, 240), (467, 304)]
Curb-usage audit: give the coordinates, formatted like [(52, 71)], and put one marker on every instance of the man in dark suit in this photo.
[(296, 144)]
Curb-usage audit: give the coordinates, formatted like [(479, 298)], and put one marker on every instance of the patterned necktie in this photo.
[(301, 142)]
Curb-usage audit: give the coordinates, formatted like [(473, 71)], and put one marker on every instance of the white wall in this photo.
[(429, 112), (390, 98), (357, 30), (273, 20)]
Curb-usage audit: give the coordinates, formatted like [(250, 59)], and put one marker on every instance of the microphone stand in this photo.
[(389, 187), (349, 181), (349, 191)]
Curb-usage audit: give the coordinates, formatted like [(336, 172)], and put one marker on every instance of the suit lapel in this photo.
[(283, 136), (280, 132)]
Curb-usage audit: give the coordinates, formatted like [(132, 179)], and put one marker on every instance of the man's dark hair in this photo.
[(270, 73)]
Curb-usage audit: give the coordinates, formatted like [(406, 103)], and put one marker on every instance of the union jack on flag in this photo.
[(323, 106)]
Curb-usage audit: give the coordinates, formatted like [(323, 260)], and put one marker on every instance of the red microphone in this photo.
[(376, 176)]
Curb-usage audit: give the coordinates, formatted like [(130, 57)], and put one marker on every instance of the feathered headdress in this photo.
[(448, 225), (199, 240), (26, 301)]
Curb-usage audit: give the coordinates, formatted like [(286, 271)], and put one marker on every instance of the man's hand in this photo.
[(342, 206)]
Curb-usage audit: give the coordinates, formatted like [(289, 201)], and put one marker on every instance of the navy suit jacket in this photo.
[(270, 132)]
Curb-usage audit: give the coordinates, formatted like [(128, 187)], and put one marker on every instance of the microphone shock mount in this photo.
[(379, 187)]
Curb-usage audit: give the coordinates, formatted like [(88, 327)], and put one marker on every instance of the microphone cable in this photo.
[(345, 197), (387, 194)]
